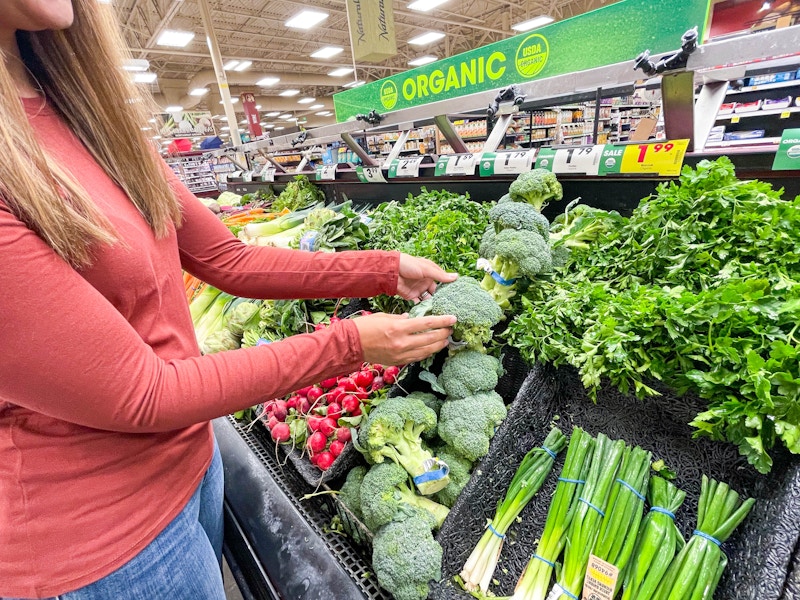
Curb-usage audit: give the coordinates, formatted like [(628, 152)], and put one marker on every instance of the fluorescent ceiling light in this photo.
[(306, 100), (243, 122), (145, 77), (274, 113), (258, 107), (341, 72), (198, 92), (289, 93), (136, 64), (426, 38), (765, 6), (306, 19), (425, 5), (286, 117), (243, 66), (269, 126), (327, 52), (226, 128), (233, 101), (532, 23), (173, 109), (230, 65), (353, 84), (279, 127), (316, 106), (176, 39), (156, 137), (324, 113), (267, 81), (422, 60)]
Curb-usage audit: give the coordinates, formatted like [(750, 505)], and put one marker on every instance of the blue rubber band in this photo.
[(550, 452), (625, 484), (590, 505), (262, 342), (497, 533), (663, 511), (552, 565), (499, 279), (710, 538), (431, 476), (567, 593), (568, 480)]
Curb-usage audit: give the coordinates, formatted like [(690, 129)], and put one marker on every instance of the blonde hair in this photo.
[(80, 72)]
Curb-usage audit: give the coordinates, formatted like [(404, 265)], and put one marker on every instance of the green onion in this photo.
[(531, 473), (658, 541), (535, 580)]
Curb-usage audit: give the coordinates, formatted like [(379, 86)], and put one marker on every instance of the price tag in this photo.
[(663, 158), (734, 119), (611, 159), (326, 173), (544, 160), (235, 175), (405, 167), (584, 160), (506, 163), (370, 174), (459, 164), (247, 176), (601, 580), (788, 155), (268, 174), (786, 114)]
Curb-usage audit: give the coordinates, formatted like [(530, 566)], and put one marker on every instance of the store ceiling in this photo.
[(255, 30)]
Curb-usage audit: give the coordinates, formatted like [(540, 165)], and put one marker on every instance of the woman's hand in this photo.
[(398, 340), (418, 277)]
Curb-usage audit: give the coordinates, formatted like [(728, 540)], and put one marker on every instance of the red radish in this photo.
[(325, 460), (292, 402), (336, 448), (320, 326), (273, 420), (334, 411), (316, 442), (365, 313), (280, 433), (378, 368), (335, 395), (377, 383), (327, 426), (304, 391), (329, 383), (348, 384), (303, 406), (314, 423), (334, 319), (279, 410), (390, 374), (360, 394), (350, 404), (343, 434), (313, 394), (363, 379)]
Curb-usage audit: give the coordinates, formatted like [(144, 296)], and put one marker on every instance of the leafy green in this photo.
[(297, 194)]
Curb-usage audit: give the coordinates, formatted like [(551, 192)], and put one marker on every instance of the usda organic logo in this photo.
[(793, 152), (532, 55), (388, 95)]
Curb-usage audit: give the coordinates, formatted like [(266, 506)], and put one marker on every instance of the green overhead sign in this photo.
[(612, 34)]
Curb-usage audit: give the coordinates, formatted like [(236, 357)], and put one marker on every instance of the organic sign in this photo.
[(186, 124), (576, 44), (788, 155)]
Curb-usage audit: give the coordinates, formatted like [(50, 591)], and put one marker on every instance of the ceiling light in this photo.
[(327, 52), (233, 101), (324, 113), (177, 39), (425, 5), (230, 65), (279, 127), (156, 137), (306, 100), (422, 60), (289, 93), (353, 84), (258, 107), (274, 113), (766, 6), (198, 92), (267, 81), (341, 72), (243, 122), (426, 38), (173, 109), (306, 19), (286, 116), (151, 120), (532, 23), (243, 66), (136, 64), (269, 126), (225, 128), (316, 106), (223, 118), (145, 77)]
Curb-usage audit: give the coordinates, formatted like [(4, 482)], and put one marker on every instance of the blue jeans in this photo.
[(182, 563)]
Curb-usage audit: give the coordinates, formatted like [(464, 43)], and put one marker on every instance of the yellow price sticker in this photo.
[(786, 114), (662, 158), (734, 119)]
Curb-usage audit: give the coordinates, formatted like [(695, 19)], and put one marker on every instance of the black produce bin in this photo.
[(763, 564)]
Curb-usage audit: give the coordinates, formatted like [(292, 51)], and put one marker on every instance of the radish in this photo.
[(313, 394), (303, 406), (280, 433), (363, 379), (378, 368), (350, 404), (316, 442), (336, 394), (334, 411), (304, 391), (272, 422), (390, 374), (320, 326), (377, 383), (325, 460), (329, 383), (343, 434), (292, 402), (314, 423), (336, 448), (327, 426), (348, 384), (279, 410), (334, 319)]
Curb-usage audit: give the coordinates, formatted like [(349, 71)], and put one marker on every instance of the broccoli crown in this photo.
[(475, 310), (528, 250), (536, 187), (432, 402), (581, 226), (519, 215), (405, 557), (460, 469), (505, 198), (467, 424), (350, 493), (486, 247), (469, 371)]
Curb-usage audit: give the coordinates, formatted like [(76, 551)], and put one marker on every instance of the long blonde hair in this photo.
[(80, 72)]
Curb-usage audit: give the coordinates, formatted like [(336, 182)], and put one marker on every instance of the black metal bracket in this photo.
[(511, 93), (300, 138), (372, 118), (668, 63)]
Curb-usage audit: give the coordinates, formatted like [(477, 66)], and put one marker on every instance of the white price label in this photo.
[(374, 175), (600, 582), (268, 174), (461, 164), (509, 163), (327, 173), (247, 177), (409, 167), (583, 159)]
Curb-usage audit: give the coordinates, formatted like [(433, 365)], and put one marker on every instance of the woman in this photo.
[(110, 485)]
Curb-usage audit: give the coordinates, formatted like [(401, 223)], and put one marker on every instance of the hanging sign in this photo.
[(183, 124), (405, 167), (583, 160), (662, 158), (506, 163), (456, 164), (370, 174), (787, 158), (251, 114), (371, 29)]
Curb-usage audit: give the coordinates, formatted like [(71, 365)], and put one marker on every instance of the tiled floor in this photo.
[(231, 589)]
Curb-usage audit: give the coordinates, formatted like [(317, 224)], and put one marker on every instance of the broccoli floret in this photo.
[(505, 198), (350, 493), (467, 424), (467, 372), (386, 490), (536, 187), (432, 402), (518, 215), (392, 430), (475, 310), (579, 227), (486, 247), (460, 469), (405, 557)]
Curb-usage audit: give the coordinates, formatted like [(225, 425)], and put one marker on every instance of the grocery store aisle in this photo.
[(231, 589)]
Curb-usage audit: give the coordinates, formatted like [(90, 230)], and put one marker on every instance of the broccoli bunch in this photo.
[(474, 309), (468, 424), (578, 227), (469, 371), (393, 430), (405, 557), (460, 469), (536, 187), (385, 491), (350, 492)]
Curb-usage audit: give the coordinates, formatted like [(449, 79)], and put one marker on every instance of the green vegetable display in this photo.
[(298, 193)]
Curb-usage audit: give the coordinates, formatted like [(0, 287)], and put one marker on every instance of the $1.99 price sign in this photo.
[(662, 158)]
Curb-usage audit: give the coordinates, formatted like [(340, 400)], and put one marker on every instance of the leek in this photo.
[(202, 302)]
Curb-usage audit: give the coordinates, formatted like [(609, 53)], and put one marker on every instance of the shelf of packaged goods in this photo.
[(759, 113), (591, 119), (756, 142), (765, 86), (576, 135), (540, 126)]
